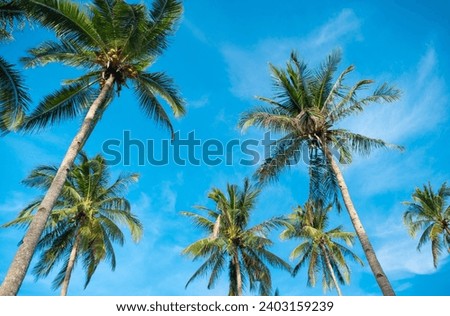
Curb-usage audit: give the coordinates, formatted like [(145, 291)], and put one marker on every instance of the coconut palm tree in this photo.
[(85, 222), (429, 212), (319, 247), (14, 98), (116, 43), (307, 110), (232, 242)]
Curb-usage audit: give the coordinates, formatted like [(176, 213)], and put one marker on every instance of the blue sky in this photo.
[(219, 60)]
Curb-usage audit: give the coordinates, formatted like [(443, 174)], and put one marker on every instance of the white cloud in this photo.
[(15, 202), (400, 259), (224, 118), (168, 197), (403, 286), (247, 67), (390, 171), (41, 149), (143, 204), (344, 25), (199, 103), (195, 31), (422, 108), (396, 250)]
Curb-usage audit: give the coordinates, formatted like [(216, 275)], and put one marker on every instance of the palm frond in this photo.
[(67, 20), (287, 152), (349, 105), (323, 184), (274, 119), (203, 269), (147, 87), (14, 97), (363, 145), (59, 250), (216, 270), (200, 221), (64, 51), (58, 280), (66, 103), (321, 84), (164, 15), (11, 14)]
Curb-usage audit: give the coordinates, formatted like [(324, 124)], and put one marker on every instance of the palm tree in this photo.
[(14, 98), (230, 239), (307, 109), (430, 212), (319, 246), (115, 42), (84, 223)]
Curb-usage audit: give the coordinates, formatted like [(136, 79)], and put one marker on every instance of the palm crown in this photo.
[(307, 109), (109, 39), (231, 239), (319, 246), (86, 218), (430, 211), (14, 97)]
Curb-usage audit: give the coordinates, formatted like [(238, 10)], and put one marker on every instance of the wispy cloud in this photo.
[(168, 197), (14, 202), (401, 259), (33, 150), (423, 106), (199, 103), (422, 110), (247, 67), (195, 31), (346, 24), (395, 249), (391, 171)]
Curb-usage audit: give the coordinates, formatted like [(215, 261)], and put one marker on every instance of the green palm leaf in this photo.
[(14, 97), (66, 103), (318, 246), (230, 239), (307, 110), (114, 42), (82, 216), (430, 213), (67, 20)]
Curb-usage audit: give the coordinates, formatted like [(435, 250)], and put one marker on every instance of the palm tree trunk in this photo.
[(374, 264), (237, 267), (330, 268), (70, 265), (22, 259)]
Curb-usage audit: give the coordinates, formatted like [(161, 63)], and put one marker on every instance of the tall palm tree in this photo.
[(430, 212), (14, 98), (85, 221), (307, 109), (115, 43), (319, 246), (231, 240)]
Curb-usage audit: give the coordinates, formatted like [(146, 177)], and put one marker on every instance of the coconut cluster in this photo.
[(114, 63)]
